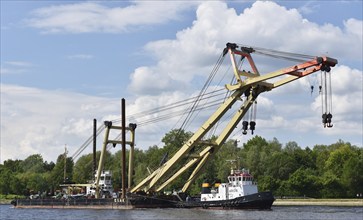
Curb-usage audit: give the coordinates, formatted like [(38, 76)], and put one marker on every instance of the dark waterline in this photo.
[(278, 212)]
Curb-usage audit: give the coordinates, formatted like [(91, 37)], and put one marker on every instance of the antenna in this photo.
[(233, 165), (65, 163)]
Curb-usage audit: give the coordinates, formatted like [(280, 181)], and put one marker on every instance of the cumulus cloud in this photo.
[(191, 55), (43, 121), (180, 64), (94, 17), (195, 49)]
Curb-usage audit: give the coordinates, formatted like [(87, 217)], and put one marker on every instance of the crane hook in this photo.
[(244, 127)]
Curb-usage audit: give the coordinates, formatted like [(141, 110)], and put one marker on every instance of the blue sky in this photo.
[(64, 63)]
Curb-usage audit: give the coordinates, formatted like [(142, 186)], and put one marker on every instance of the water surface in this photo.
[(278, 212)]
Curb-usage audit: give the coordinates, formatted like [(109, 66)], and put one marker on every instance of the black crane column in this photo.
[(123, 134), (94, 146)]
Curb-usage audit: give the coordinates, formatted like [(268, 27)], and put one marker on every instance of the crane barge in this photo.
[(248, 83), (240, 191)]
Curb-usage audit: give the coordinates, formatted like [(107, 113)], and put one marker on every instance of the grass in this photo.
[(329, 202), (6, 199)]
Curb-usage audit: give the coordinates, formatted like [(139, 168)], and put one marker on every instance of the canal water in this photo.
[(278, 212)]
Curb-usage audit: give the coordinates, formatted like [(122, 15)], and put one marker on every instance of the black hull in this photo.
[(71, 204), (157, 201), (260, 201)]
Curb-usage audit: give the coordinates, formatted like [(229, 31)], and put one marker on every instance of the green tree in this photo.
[(280, 165), (5, 180), (320, 155), (33, 164), (18, 186), (254, 154), (331, 186), (337, 159), (14, 166), (305, 183), (268, 183), (35, 182), (351, 179), (83, 168), (57, 175)]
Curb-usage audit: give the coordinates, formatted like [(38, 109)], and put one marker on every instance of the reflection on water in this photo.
[(278, 212)]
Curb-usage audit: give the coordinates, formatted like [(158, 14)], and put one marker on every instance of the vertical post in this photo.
[(65, 164), (108, 125), (131, 154), (123, 134), (94, 146)]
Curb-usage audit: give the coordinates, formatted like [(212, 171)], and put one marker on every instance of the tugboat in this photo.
[(106, 188), (239, 193)]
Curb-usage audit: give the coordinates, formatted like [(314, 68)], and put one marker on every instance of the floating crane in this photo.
[(248, 83)]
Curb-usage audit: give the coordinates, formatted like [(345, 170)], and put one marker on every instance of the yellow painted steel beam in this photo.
[(220, 140), (120, 142), (161, 172), (177, 174), (195, 172), (77, 185), (235, 67), (186, 167), (145, 181), (131, 158), (100, 163)]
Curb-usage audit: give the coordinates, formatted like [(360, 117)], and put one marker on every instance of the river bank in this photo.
[(318, 202), (5, 201)]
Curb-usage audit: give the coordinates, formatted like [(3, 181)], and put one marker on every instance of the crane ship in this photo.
[(240, 192)]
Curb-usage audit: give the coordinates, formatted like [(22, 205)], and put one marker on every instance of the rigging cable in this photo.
[(203, 90), (227, 94), (280, 54), (86, 143)]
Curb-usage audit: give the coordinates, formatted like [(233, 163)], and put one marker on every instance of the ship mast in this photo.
[(65, 164)]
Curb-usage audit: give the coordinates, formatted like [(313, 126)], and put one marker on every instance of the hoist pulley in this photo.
[(326, 96)]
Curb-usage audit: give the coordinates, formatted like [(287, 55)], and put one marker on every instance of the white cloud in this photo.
[(95, 17), (36, 121), (18, 63), (42, 121), (181, 61), (15, 67), (309, 7), (195, 49), (33, 118), (80, 56)]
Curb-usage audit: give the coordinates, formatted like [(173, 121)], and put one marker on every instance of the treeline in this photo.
[(323, 171)]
